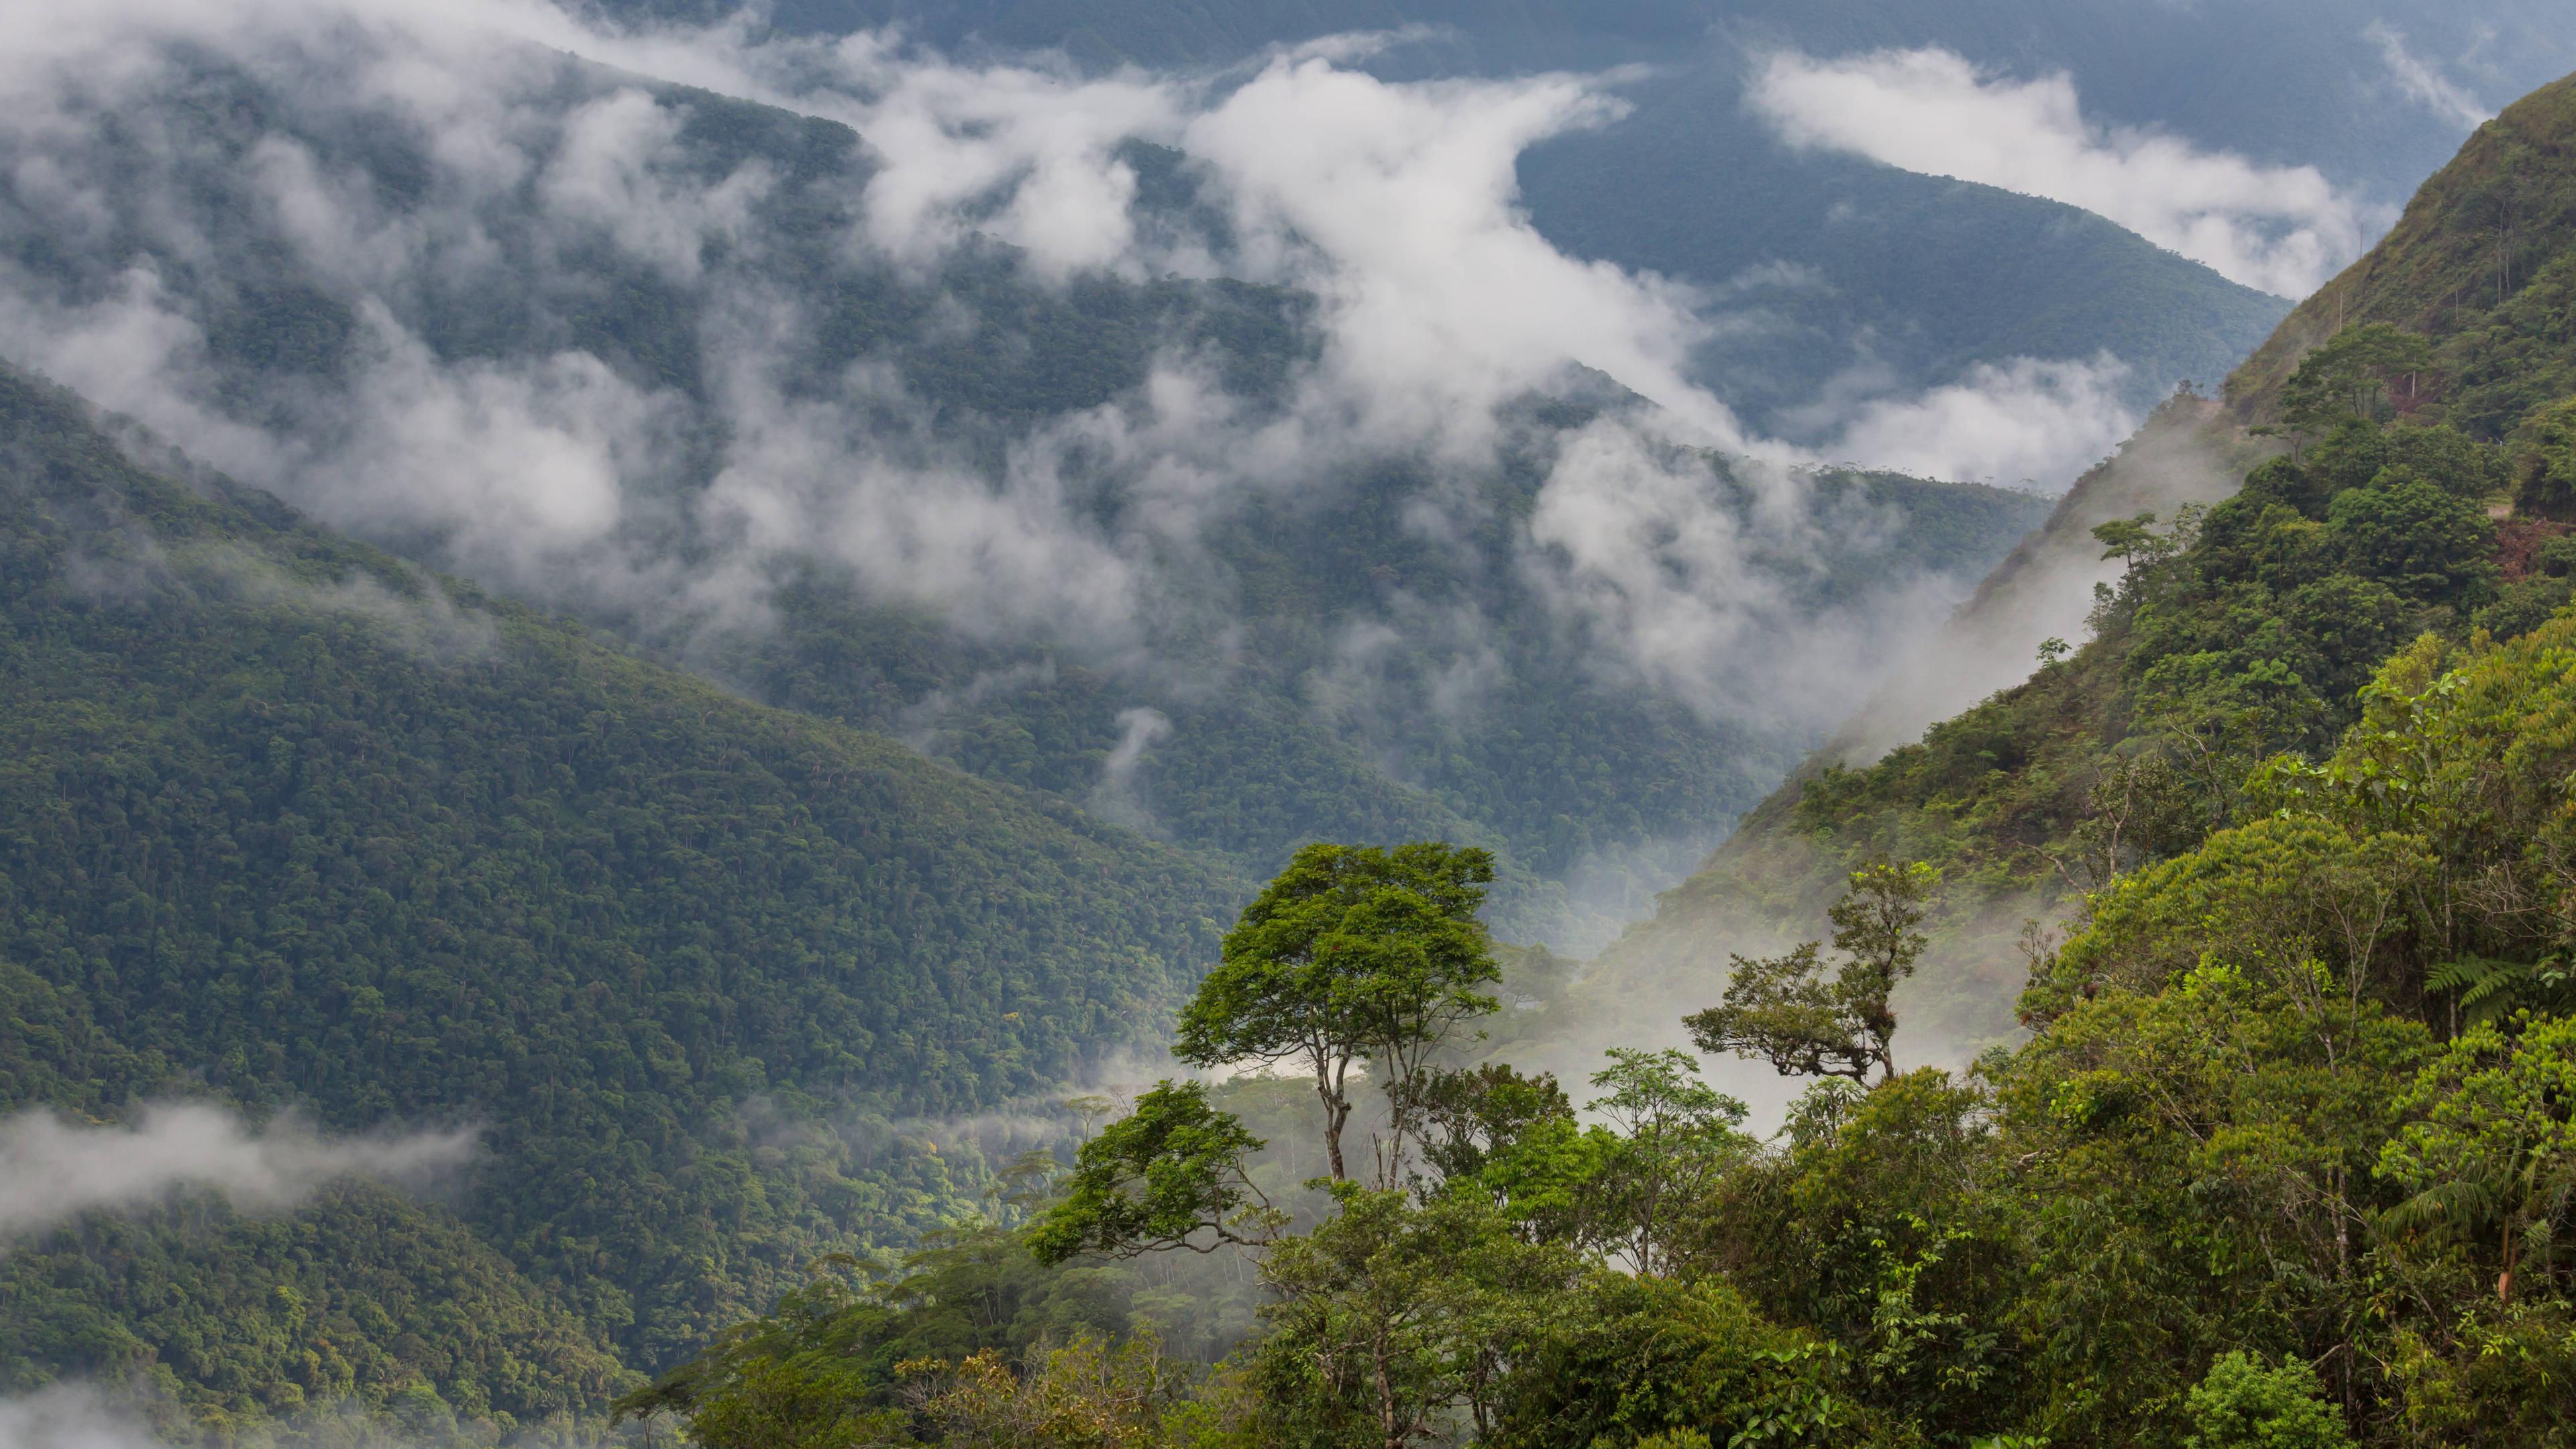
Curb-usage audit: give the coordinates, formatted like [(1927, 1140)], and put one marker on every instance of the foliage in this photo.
[(2368, 372), (1158, 1178), (287, 822), (2491, 1152), (1636, 1361), (1671, 1137), (1783, 1010), (1088, 1394), (1393, 1318), (1352, 954), (2243, 1405)]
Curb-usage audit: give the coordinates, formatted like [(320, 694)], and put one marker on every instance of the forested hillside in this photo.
[(2426, 381), (2277, 1147), (292, 823)]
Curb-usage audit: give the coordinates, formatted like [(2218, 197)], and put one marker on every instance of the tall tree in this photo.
[(1784, 1011), (1353, 954)]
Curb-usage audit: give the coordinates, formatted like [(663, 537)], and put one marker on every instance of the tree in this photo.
[(1087, 1394), (1352, 954), (1472, 1115), (2493, 1149), (2416, 538), (1676, 1133), (1394, 1319), (2365, 373), (2243, 1405), (1783, 1010), (1169, 1175), (2544, 474)]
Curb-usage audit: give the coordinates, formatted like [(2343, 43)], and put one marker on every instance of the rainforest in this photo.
[(1689, 724)]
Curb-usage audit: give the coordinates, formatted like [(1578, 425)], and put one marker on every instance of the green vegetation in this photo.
[(2282, 1154), (2287, 1161), (2416, 395), (292, 823)]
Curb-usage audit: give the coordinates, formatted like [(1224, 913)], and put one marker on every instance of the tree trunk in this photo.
[(1337, 1112)]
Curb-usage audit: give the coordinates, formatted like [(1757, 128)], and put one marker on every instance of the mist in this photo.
[(52, 1170)]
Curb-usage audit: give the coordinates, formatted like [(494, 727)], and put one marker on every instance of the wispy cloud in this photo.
[(579, 478), (2421, 83), (2283, 229), (52, 1170)]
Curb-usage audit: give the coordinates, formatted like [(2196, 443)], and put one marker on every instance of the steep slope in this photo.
[(290, 822), (2246, 630), (2468, 264)]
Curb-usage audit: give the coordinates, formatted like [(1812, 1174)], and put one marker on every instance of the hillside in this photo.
[(292, 823), (2274, 1145), (2243, 631), (1027, 523)]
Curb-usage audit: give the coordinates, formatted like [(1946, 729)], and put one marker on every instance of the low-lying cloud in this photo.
[(2021, 424), (52, 1170), (2283, 229), (679, 496)]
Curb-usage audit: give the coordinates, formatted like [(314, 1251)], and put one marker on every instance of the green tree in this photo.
[(2544, 474), (1394, 1319), (1353, 954), (1471, 1116), (1169, 1175), (2243, 1405), (2425, 543), (1783, 1010), (1675, 1134), (2492, 1152), (1086, 1394), (2365, 373)]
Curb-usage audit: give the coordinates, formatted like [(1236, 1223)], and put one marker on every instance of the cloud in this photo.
[(2422, 84), (1399, 205), (1115, 797), (2018, 423), (52, 1170), (2283, 229), (82, 1415), (72, 1416), (609, 171), (668, 481), (1698, 583)]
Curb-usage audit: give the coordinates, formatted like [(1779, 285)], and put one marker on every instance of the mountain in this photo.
[(293, 824), (2274, 1143), (1823, 270), (2270, 609), (1907, 281), (1028, 523)]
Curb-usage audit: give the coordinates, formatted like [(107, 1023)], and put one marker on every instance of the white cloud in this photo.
[(71, 1416), (1115, 797), (2022, 423), (52, 1170), (608, 173), (1691, 582), (2283, 229), (1399, 204), (550, 471), (2422, 84)]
